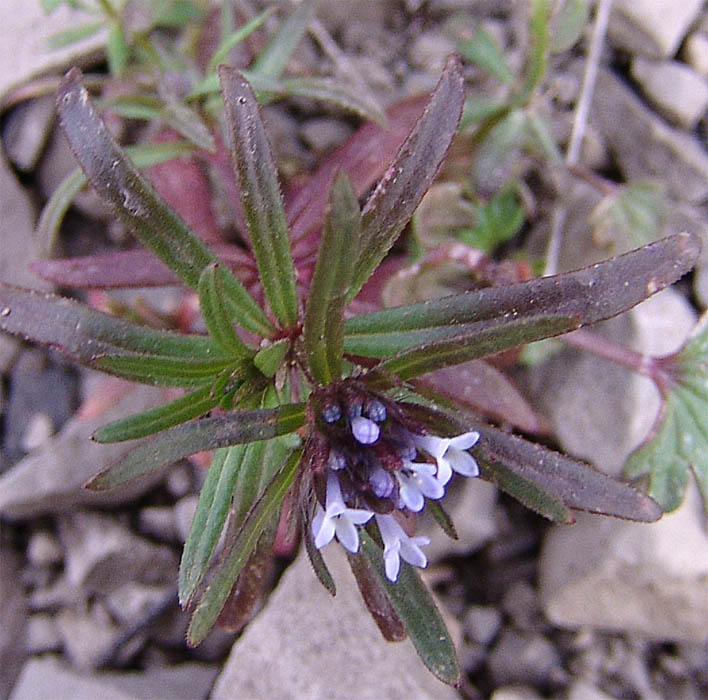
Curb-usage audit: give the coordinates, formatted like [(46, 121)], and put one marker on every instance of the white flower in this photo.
[(450, 454), (337, 519), (398, 545), (416, 481)]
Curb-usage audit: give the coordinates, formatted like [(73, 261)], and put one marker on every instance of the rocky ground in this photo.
[(603, 609)]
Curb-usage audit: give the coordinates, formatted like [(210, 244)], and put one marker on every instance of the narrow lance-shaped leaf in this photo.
[(260, 195), (258, 519), (323, 332), (85, 334), (134, 201), (214, 503), (412, 603), (206, 434), (215, 314), (591, 294), (399, 192)]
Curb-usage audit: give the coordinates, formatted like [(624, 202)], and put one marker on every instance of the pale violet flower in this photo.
[(398, 545), (337, 519), (416, 482), (450, 454), (365, 430)]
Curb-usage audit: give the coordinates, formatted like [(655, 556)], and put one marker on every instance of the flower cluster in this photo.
[(376, 461)]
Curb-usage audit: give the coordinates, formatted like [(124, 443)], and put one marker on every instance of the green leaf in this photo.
[(50, 5), (497, 222), (206, 434), (269, 358), (164, 371), (274, 58), (177, 13), (209, 518), (192, 405), (479, 109), (537, 58), (143, 107), (679, 440), (86, 335), (236, 555), (143, 155), (117, 50), (317, 561), (260, 196), (591, 294), (567, 25), (188, 123), (416, 610), (398, 193), (215, 312), (133, 199), (442, 518), (483, 50), (71, 36), (323, 333), (228, 43)]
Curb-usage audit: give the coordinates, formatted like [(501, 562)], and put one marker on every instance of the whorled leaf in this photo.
[(240, 549), (134, 201), (323, 332), (398, 193), (260, 195), (588, 295), (679, 441), (416, 610), (206, 434)]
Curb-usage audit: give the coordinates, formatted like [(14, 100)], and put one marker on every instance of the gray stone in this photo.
[(324, 133), (44, 549), (482, 623), (695, 53), (48, 677), (159, 522), (644, 145), (42, 634), (520, 658), (654, 28), (184, 511), (304, 644), (430, 50), (24, 51), (134, 601), (51, 479), (26, 129), (14, 616), (630, 577), (471, 504), (515, 692), (582, 690), (675, 90)]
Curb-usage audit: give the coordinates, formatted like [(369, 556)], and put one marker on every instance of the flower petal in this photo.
[(322, 528), (365, 431), (465, 441), (410, 493), (347, 534), (411, 552), (463, 463)]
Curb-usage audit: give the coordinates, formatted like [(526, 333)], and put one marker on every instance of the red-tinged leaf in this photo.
[(488, 391), (591, 294), (196, 436), (376, 600), (132, 268), (86, 335), (408, 177), (260, 195)]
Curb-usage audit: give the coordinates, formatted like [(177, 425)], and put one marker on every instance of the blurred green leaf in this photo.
[(398, 193), (205, 434), (416, 610), (71, 36), (483, 50), (323, 327), (50, 5), (214, 311), (479, 109), (269, 358), (539, 139), (260, 196), (143, 107), (537, 57), (567, 25), (273, 59), (135, 202), (175, 13), (264, 511), (679, 440), (193, 405), (497, 222), (188, 123), (229, 42), (117, 50)]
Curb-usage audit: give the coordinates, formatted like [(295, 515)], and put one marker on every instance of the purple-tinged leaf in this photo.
[(591, 294), (236, 555), (398, 193), (376, 600), (134, 201), (260, 195), (415, 608), (317, 561), (323, 331), (206, 434), (443, 519), (86, 335)]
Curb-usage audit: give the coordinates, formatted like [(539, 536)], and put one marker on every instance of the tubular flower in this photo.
[(374, 459)]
